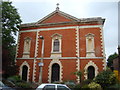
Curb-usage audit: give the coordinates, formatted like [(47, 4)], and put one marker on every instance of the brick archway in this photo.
[(90, 63)]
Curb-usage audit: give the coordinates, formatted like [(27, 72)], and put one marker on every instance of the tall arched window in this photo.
[(55, 72), (91, 72), (24, 73), (56, 45)]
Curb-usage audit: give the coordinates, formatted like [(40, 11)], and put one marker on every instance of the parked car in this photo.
[(5, 87), (52, 87)]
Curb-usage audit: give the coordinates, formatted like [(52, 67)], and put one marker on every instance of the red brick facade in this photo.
[(73, 56)]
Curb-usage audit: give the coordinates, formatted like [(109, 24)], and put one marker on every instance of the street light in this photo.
[(119, 56), (41, 64)]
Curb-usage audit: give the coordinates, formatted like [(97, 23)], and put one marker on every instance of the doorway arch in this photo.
[(91, 72), (55, 73), (24, 73)]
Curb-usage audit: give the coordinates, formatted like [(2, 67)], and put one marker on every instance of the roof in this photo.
[(69, 19)]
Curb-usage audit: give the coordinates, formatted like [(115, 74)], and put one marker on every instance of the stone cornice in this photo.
[(97, 20), (63, 58)]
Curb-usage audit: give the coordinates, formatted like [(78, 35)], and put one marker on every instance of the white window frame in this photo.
[(54, 37)]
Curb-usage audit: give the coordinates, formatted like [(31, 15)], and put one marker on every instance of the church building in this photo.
[(53, 48)]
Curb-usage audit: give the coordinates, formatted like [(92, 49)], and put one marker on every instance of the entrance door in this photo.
[(55, 72), (24, 73), (91, 72)]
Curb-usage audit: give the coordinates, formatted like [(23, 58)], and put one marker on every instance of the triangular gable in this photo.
[(57, 16)]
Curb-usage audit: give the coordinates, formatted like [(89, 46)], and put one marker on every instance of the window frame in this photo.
[(56, 36), (56, 45)]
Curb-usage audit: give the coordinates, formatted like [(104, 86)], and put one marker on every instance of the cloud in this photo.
[(63, 0)]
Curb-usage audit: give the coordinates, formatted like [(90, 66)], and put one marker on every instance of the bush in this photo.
[(85, 87), (94, 85), (77, 87), (85, 82), (18, 82), (114, 87), (106, 78), (14, 79), (23, 85)]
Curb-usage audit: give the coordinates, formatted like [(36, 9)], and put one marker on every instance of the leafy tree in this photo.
[(110, 59), (10, 25), (106, 78), (79, 74)]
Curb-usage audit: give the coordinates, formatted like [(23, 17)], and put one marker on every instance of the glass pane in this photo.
[(62, 88), (49, 87), (56, 45)]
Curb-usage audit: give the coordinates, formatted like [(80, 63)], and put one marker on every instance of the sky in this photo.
[(34, 10)]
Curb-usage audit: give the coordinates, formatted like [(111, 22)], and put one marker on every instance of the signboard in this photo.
[(40, 64)]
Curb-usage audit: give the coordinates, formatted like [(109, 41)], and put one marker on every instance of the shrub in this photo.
[(85, 87), (14, 79), (85, 82), (106, 78), (94, 85), (77, 87), (115, 87), (23, 85), (18, 82)]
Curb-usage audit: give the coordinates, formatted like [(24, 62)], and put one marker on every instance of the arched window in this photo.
[(56, 45), (24, 72), (55, 72), (91, 72)]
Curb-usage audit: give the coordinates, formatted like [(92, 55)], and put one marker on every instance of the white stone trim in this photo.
[(66, 58), (59, 37), (28, 73), (50, 69), (77, 51), (18, 41), (35, 55), (59, 28), (90, 63), (103, 47)]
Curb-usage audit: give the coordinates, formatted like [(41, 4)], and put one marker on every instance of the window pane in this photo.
[(56, 45), (62, 88), (49, 87)]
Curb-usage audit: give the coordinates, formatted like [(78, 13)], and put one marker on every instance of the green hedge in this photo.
[(106, 78)]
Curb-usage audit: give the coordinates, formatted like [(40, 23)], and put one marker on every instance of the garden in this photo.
[(103, 81)]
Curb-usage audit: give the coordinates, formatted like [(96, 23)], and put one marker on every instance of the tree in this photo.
[(110, 59), (106, 78), (79, 74), (10, 26)]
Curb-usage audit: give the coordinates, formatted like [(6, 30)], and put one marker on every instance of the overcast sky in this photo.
[(34, 10)]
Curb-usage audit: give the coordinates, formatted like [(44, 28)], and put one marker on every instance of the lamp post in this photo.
[(119, 62), (119, 57), (41, 64)]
